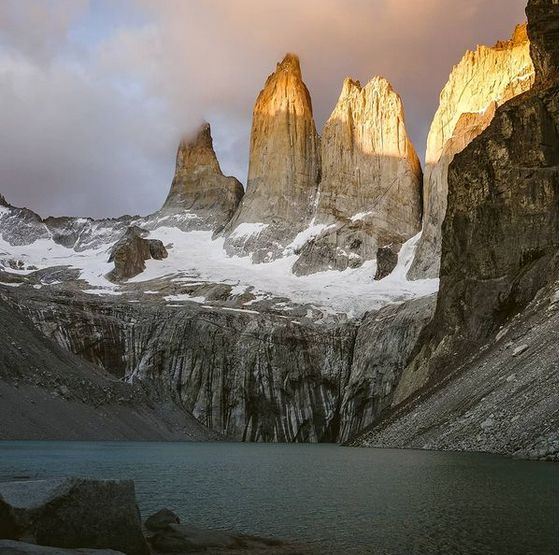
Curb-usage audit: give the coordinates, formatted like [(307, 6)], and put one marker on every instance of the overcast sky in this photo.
[(95, 94)]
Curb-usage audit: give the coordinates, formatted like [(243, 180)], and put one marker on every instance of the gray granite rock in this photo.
[(75, 513)]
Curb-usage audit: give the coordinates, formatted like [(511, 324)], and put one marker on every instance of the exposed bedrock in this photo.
[(131, 251), (384, 343), (501, 399), (284, 167), (483, 79), (200, 192), (500, 233), (254, 377), (370, 190), (499, 271), (48, 392)]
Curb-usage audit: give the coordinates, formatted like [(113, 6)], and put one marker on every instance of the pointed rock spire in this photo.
[(201, 196), (197, 153), (370, 191), (284, 164)]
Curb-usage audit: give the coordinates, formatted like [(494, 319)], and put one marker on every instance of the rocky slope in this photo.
[(483, 79), (499, 272), (258, 353), (48, 392), (284, 167), (199, 187), (503, 398), (370, 191), (253, 376)]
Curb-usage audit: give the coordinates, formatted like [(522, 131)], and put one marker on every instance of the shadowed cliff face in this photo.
[(485, 375), (500, 233), (483, 79), (200, 192), (284, 165), (251, 376), (50, 393)]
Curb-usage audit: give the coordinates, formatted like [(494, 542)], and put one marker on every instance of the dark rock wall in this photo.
[(254, 377), (500, 233)]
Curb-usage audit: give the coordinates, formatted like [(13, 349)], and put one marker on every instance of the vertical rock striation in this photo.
[(370, 192), (482, 80), (284, 167), (488, 361), (201, 195)]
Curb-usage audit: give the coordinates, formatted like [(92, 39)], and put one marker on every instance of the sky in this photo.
[(95, 94)]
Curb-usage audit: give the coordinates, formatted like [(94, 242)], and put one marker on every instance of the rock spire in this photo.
[(200, 193), (370, 192), (284, 167)]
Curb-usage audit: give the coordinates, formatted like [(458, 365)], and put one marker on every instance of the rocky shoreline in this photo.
[(75, 515)]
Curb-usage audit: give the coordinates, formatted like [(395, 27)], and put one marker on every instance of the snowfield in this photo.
[(195, 257)]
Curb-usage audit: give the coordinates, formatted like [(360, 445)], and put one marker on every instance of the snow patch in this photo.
[(184, 297), (361, 216), (247, 230), (305, 236)]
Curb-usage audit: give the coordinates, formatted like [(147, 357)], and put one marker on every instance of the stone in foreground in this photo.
[(173, 537), (75, 513), (11, 547)]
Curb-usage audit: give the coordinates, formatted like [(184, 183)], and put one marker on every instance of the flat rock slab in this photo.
[(11, 547)]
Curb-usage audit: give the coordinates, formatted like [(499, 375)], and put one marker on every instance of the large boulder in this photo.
[(74, 513), (131, 252), (161, 520), (170, 536)]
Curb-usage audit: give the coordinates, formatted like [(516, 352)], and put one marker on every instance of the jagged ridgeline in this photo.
[(292, 311), (336, 204)]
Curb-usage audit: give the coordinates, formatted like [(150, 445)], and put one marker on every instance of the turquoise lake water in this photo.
[(338, 500)]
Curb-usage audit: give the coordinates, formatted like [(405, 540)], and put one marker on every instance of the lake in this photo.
[(337, 499)]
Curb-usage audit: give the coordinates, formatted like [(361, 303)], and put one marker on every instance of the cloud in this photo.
[(91, 128)]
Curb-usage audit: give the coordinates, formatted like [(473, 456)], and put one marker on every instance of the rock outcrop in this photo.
[(130, 253), (49, 393), (384, 343), (370, 191), (201, 196), (74, 513), (482, 80), (284, 167), (499, 271), (168, 535)]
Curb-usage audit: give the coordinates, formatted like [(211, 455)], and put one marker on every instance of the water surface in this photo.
[(339, 500)]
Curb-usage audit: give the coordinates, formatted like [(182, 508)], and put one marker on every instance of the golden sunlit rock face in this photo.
[(284, 163), (370, 191), (483, 79), (368, 161)]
